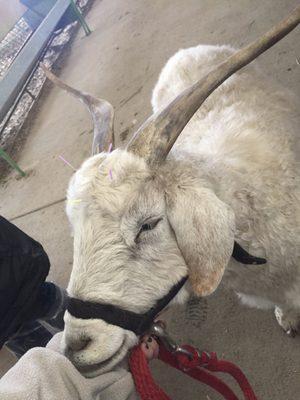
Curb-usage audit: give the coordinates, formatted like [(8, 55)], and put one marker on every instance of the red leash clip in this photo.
[(188, 360), (158, 330)]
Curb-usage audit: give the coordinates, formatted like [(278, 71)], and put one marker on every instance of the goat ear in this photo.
[(204, 229)]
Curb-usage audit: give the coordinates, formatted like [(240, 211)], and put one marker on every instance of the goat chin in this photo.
[(94, 346), (117, 359)]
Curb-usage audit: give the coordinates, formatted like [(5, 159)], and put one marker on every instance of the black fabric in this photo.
[(242, 256), (24, 266), (32, 334), (137, 323)]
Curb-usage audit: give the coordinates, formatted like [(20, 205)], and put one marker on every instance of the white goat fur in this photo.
[(233, 172)]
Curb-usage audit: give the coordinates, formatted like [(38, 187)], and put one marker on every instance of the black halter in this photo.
[(137, 323), (141, 323), (242, 256)]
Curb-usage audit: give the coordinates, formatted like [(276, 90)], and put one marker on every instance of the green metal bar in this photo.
[(80, 18), (11, 162)]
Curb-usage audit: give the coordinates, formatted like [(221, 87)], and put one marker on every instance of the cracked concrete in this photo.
[(120, 61)]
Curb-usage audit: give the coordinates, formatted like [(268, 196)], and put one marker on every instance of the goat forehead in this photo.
[(110, 210), (111, 170), (105, 183)]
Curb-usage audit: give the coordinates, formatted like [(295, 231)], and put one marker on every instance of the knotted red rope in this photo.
[(195, 368)]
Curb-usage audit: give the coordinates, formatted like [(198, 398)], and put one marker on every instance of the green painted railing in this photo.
[(16, 77), (11, 162)]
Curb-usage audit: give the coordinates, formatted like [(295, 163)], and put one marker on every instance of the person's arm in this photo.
[(24, 266)]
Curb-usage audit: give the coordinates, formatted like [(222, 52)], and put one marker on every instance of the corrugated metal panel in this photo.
[(18, 73)]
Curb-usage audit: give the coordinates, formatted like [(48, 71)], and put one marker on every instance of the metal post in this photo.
[(80, 18), (30, 94), (11, 162), (17, 74)]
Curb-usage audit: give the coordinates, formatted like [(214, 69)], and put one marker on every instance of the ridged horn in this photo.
[(102, 113), (157, 135)]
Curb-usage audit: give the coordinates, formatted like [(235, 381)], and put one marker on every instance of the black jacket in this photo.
[(24, 266)]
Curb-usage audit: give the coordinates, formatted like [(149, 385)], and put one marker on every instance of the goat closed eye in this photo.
[(147, 226)]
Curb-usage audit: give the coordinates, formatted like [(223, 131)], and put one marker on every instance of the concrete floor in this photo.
[(120, 61)]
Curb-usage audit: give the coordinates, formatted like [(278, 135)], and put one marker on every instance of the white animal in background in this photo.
[(147, 216)]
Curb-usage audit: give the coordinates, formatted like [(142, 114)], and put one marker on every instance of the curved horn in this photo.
[(102, 113), (156, 136)]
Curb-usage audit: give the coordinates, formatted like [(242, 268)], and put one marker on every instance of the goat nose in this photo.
[(77, 344)]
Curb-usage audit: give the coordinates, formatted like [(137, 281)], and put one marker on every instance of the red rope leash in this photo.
[(149, 390), (144, 383)]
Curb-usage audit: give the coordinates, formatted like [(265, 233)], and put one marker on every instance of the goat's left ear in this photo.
[(204, 229)]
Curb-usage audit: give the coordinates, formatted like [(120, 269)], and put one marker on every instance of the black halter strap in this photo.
[(140, 323), (137, 323), (243, 257)]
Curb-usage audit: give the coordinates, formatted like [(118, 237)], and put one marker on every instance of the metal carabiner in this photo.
[(158, 329)]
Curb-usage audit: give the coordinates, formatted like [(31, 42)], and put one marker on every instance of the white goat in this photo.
[(243, 143), (141, 223)]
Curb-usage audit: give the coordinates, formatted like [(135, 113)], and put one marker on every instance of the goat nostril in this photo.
[(77, 345)]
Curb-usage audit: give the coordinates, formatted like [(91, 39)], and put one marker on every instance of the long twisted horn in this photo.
[(157, 135), (102, 113)]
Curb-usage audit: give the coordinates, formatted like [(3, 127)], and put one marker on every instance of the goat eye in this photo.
[(148, 226)]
